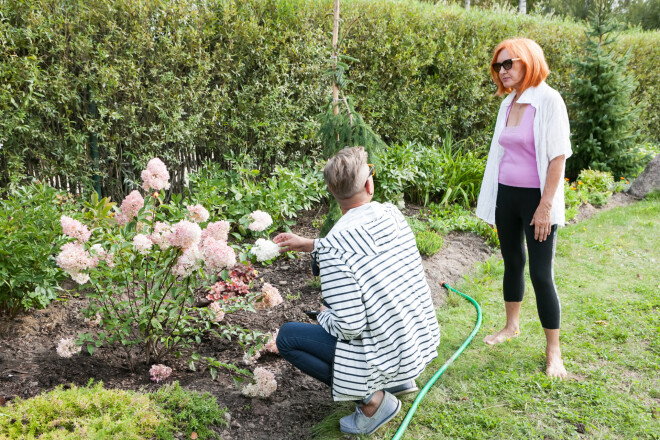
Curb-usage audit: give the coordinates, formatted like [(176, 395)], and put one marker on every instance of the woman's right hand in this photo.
[(292, 242)]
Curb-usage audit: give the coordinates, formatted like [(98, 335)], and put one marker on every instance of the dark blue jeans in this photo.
[(309, 348)]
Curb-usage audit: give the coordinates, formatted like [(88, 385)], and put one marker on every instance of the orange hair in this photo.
[(530, 54)]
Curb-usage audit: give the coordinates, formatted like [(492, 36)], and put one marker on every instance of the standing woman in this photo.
[(522, 190)]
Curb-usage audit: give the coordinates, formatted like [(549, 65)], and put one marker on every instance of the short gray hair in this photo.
[(344, 171)]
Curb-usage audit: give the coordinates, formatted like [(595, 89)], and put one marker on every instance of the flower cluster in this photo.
[(130, 207), (100, 254), (74, 229), (155, 176), (160, 235), (218, 255), (270, 297), (73, 259), (185, 234), (265, 250), (216, 310), (265, 384), (271, 345), (243, 272), (142, 244), (67, 348), (188, 262), (218, 230), (159, 372), (198, 213), (260, 221)]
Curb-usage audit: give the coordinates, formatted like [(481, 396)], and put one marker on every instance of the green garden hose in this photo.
[(437, 375)]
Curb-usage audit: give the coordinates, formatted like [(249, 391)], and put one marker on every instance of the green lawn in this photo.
[(609, 283)]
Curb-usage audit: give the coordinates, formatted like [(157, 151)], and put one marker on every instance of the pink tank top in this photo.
[(518, 165)]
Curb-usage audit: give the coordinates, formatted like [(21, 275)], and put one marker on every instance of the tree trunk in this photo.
[(466, 4), (522, 6), (335, 38)]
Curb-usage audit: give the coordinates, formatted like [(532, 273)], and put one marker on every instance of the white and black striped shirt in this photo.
[(380, 304)]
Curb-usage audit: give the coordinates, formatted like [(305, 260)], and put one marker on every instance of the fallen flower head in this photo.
[(265, 384), (159, 372), (67, 347)]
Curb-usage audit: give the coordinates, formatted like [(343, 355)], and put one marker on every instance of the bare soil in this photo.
[(29, 364)]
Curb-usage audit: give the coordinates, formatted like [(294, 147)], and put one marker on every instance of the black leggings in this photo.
[(514, 212)]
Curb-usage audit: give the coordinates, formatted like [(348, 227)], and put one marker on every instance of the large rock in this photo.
[(648, 180)]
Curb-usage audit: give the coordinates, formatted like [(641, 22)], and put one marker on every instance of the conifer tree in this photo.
[(603, 136), (341, 126)]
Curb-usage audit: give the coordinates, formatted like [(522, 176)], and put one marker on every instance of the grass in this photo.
[(607, 276), (93, 412)]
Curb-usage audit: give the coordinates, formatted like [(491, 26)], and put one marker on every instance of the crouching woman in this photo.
[(379, 330)]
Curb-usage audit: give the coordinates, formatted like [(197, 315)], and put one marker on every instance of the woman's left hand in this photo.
[(541, 221)]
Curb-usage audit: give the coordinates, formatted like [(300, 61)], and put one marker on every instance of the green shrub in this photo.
[(30, 234), (456, 218), (597, 186), (189, 81), (242, 189), (94, 412), (428, 242), (82, 412), (188, 412)]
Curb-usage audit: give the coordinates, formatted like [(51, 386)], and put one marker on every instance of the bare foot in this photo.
[(503, 335), (555, 368)]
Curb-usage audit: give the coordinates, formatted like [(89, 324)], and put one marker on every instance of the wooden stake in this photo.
[(335, 38)]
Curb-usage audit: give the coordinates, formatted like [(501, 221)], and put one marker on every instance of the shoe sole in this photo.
[(390, 417), (404, 392)]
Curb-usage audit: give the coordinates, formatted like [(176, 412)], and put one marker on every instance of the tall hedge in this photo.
[(188, 80)]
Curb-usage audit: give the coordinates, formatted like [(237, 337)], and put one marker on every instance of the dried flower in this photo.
[(270, 297), (185, 234), (74, 229), (67, 347), (218, 230), (198, 213), (142, 244), (243, 272), (260, 221), (216, 310), (155, 176), (224, 290), (265, 250), (218, 255), (159, 372), (93, 322), (271, 345), (131, 205), (265, 384)]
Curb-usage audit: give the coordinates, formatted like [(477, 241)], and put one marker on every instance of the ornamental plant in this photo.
[(145, 266)]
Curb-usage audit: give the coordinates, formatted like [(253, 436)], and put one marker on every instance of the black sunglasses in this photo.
[(507, 64), (372, 172)]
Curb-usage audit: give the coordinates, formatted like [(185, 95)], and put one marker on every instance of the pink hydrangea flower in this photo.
[(100, 254), (265, 384), (198, 213), (260, 221), (216, 310), (159, 372), (185, 234), (73, 258), (160, 235), (142, 244), (155, 176), (270, 297), (67, 347), (188, 262), (132, 205), (218, 230), (74, 229), (265, 250), (218, 255), (121, 219), (271, 345)]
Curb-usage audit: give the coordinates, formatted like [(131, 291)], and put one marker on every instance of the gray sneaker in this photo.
[(404, 388), (358, 423)]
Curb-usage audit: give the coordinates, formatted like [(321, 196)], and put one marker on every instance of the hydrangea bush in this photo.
[(145, 267)]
